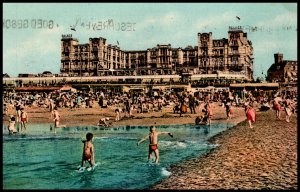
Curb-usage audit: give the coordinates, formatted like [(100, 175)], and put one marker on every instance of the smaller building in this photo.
[(283, 71)]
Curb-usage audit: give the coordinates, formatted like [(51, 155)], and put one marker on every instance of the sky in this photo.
[(32, 32)]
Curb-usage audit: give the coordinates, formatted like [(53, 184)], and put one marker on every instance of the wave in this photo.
[(173, 144), (164, 172)]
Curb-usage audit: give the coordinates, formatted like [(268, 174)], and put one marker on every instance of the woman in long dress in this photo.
[(250, 114)]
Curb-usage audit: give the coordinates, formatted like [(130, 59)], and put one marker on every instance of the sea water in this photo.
[(41, 159)]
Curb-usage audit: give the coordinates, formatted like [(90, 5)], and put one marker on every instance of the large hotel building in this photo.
[(232, 55)]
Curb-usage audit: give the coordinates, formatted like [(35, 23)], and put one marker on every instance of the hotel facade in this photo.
[(232, 55)]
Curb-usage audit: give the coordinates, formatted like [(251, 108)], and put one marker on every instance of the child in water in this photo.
[(88, 151), (11, 126), (153, 145)]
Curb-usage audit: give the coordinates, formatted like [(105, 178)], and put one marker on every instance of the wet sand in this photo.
[(264, 157)]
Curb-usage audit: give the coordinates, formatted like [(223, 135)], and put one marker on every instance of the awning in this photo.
[(254, 85), (28, 89)]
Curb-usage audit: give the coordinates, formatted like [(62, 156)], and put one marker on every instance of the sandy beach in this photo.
[(264, 157), (90, 116)]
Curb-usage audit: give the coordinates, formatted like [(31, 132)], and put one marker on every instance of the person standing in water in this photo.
[(24, 119), (153, 146), (209, 113), (56, 118), (11, 125), (88, 153)]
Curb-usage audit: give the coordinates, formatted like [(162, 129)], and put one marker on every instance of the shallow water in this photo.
[(44, 160)]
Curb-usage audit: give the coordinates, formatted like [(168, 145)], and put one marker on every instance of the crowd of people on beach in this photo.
[(183, 102)]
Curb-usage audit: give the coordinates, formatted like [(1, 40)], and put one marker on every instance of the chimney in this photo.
[(278, 57)]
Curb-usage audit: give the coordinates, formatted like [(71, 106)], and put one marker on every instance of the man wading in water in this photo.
[(153, 147)]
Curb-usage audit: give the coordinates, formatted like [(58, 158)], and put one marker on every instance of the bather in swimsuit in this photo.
[(277, 107), (87, 157), (152, 147)]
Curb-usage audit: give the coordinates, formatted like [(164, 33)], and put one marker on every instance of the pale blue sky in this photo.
[(34, 50)]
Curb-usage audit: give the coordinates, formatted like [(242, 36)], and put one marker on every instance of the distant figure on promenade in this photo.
[(276, 106), (88, 153), (153, 146), (250, 114), (11, 125), (24, 119), (103, 122), (56, 119)]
